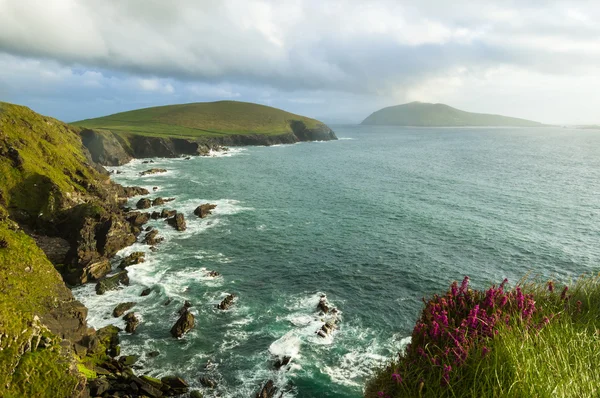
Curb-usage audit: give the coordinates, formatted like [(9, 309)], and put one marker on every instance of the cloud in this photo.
[(381, 51)]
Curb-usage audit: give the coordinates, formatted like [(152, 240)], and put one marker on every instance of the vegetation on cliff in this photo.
[(439, 115), (201, 120), (536, 340)]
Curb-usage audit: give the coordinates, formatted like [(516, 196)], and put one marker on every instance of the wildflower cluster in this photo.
[(456, 325)]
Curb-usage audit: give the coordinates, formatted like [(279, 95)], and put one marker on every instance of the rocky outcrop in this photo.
[(267, 391), (112, 282), (227, 302), (152, 238), (177, 222), (105, 147), (120, 309), (204, 210), (153, 171), (183, 325), (132, 259), (143, 203), (137, 219), (131, 322)]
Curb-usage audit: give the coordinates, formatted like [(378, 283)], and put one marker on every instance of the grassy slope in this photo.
[(200, 119), (439, 115), (558, 357)]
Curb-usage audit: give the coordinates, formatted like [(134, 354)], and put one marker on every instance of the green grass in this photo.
[(199, 120), (560, 359)]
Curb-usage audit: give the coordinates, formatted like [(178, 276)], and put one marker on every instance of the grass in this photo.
[(200, 119), (540, 341)]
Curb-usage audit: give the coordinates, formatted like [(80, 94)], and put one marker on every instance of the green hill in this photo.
[(439, 115), (202, 119)]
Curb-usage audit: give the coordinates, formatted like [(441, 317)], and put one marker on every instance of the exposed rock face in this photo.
[(323, 305), (129, 192), (152, 238), (105, 148), (281, 362), (89, 273), (204, 210), (320, 133), (132, 259), (120, 309), (268, 390), (176, 384), (112, 282), (177, 222), (146, 292), (153, 171), (132, 322), (227, 302), (208, 382), (137, 219), (158, 201), (167, 213), (183, 325), (184, 308), (144, 203)]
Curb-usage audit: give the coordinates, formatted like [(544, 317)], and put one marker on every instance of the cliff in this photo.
[(194, 129), (439, 115), (59, 211)]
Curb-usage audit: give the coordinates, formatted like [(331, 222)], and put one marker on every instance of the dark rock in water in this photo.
[(91, 272), (177, 222), (112, 282), (268, 390), (323, 305), (227, 302), (128, 192), (137, 218), (132, 259), (153, 171), (187, 158), (175, 384), (327, 329), (152, 238), (158, 201), (185, 307), (168, 199), (280, 362), (153, 249), (155, 215), (128, 360), (148, 228), (169, 300), (143, 203), (122, 308), (183, 324), (204, 210), (98, 387), (208, 382), (147, 161), (132, 322), (212, 274), (155, 188), (146, 292), (153, 354), (167, 213), (196, 394)]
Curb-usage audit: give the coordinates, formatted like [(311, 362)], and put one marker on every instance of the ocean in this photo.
[(376, 221)]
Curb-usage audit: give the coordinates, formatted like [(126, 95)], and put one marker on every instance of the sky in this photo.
[(334, 60)]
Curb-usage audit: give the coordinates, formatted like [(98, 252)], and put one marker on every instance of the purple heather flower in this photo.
[(381, 393), (484, 351), (465, 285), (397, 378), (563, 295), (551, 287)]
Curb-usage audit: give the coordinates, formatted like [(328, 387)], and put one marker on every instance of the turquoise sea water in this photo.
[(375, 220)]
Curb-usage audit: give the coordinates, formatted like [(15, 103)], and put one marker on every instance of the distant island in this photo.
[(196, 128), (439, 115)]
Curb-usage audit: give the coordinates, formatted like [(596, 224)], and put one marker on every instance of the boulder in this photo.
[(167, 213), (184, 308), (129, 192), (177, 385), (113, 235), (137, 218), (152, 238), (153, 354), (323, 305), (128, 360), (327, 328), (155, 188), (196, 394), (132, 259), (268, 390), (89, 273), (112, 282), (177, 222), (227, 302), (158, 201), (152, 171), (132, 322), (212, 274), (184, 324), (143, 203), (155, 215), (109, 337), (98, 386), (120, 309), (208, 382), (146, 292), (281, 362), (204, 210)]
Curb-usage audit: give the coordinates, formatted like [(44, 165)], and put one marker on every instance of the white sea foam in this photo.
[(346, 138)]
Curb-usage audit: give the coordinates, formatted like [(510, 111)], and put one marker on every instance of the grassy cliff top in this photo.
[(200, 119), (439, 115)]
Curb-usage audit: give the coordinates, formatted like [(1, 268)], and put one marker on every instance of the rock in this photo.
[(152, 171), (137, 218), (113, 235), (177, 222), (155, 188), (268, 390), (187, 158), (143, 203), (89, 273), (132, 259), (146, 292), (280, 362), (98, 386), (327, 328), (184, 308), (109, 337), (168, 301), (204, 210), (227, 302), (122, 308), (147, 161), (183, 324), (129, 192), (323, 305), (156, 383), (153, 249), (167, 213), (168, 199), (196, 394), (212, 274), (112, 282), (158, 201), (155, 215), (176, 385), (152, 238), (208, 382), (153, 354), (128, 360), (132, 322)]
